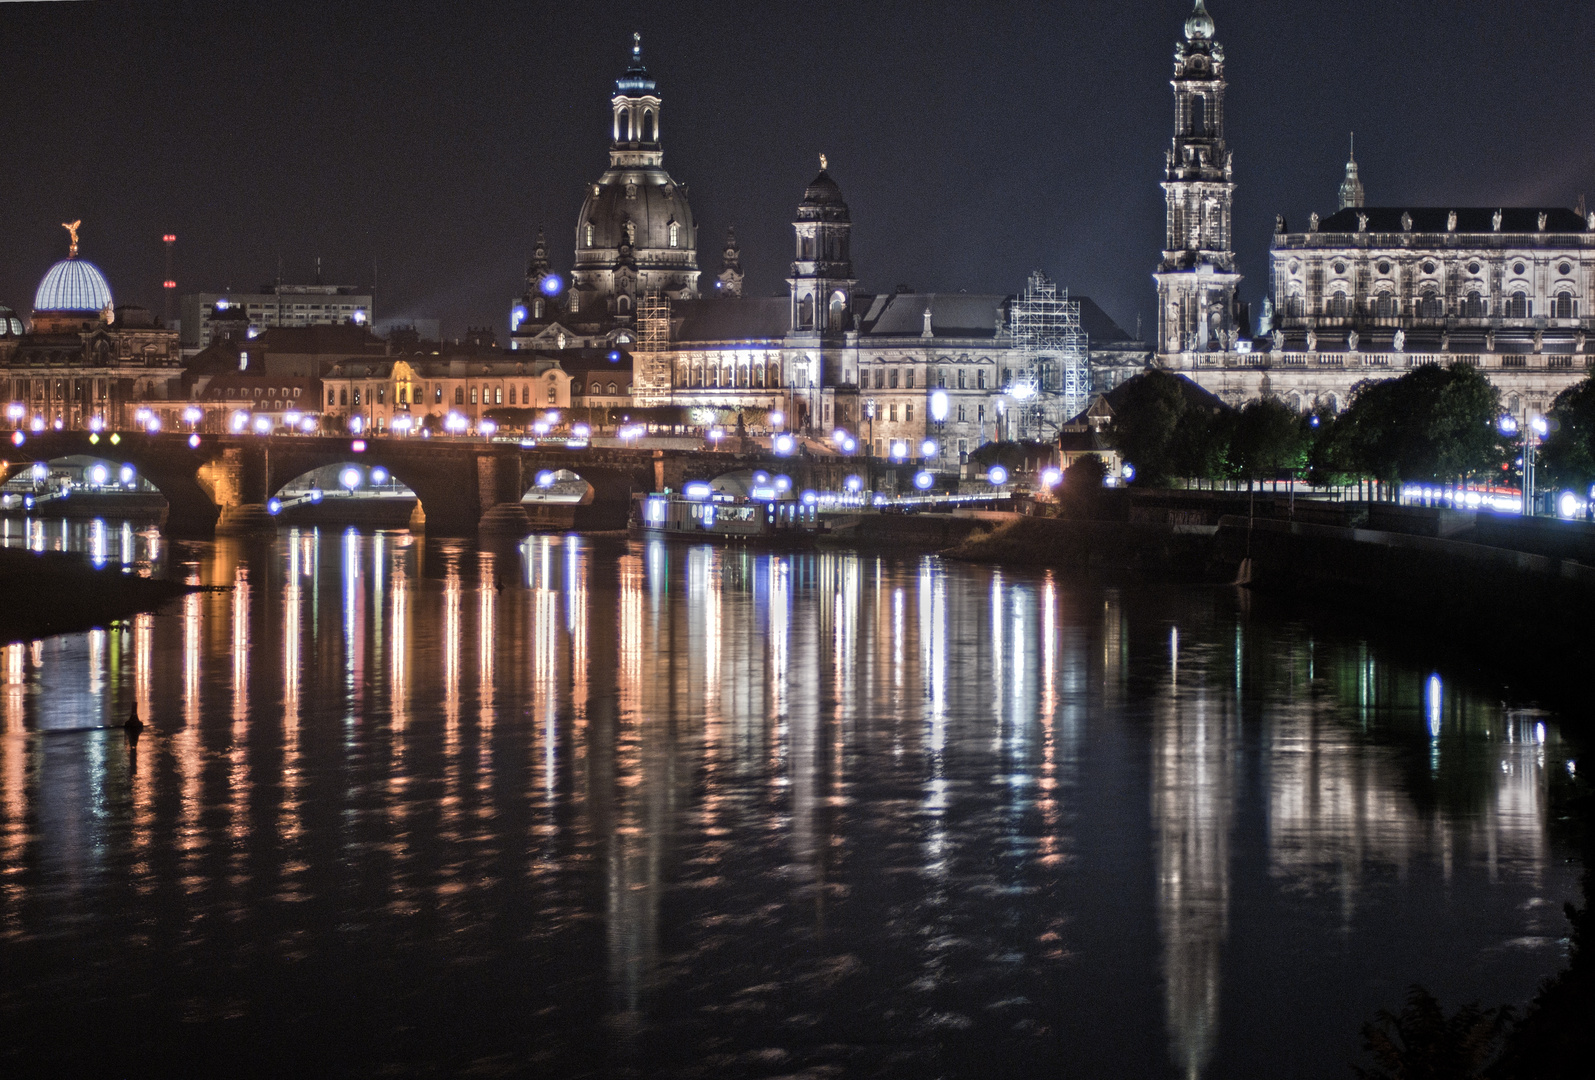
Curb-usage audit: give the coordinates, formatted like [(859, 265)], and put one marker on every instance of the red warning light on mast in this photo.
[(170, 284), (170, 238)]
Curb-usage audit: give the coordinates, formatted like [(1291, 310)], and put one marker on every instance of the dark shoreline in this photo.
[(48, 593)]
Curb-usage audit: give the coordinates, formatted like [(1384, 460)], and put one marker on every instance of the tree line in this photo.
[(1433, 425)]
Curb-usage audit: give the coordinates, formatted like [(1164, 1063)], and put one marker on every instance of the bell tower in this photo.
[(1196, 281)]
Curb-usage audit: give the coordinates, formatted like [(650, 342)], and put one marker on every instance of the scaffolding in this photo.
[(1052, 382), (651, 358)]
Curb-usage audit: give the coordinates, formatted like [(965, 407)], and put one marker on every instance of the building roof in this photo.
[(958, 315), (73, 284), (1436, 219), (757, 318)]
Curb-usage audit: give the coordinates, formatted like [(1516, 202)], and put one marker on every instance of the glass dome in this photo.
[(73, 285)]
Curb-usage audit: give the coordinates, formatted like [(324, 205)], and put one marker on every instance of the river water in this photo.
[(583, 807)]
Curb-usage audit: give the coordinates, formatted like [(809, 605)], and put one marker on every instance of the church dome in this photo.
[(73, 284), (10, 324), (1199, 26), (643, 208), (822, 199)]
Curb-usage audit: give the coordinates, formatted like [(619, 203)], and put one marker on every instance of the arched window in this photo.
[(806, 313), (611, 388), (498, 396), (1430, 307), (675, 234), (1566, 307), (332, 396), (622, 304), (1384, 306), (1475, 307), (1338, 306), (650, 126), (838, 320), (775, 374), (459, 395), (473, 395), (587, 234), (537, 308), (758, 374), (1519, 307), (343, 396), (622, 125), (356, 396)]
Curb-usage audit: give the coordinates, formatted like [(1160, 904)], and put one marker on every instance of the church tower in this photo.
[(822, 267), (1196, 281), (729, 284), (635, 235), (1351, 193)]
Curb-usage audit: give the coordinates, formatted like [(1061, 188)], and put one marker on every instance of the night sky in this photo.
[(974, 142)]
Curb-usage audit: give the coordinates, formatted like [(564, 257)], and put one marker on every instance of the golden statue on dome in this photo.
[(72, 231)]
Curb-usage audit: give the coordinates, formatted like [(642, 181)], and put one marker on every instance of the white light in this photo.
[(552, 416), (777, 418), (238, 420), (401, 424), (838, 435), (98, 475), (784, 444), (581, 431), (697, 490), (154, 425), (96, 423), (854, 483), (349, 478), (486, 427), (938, 406), (1051, 477), (923, 479), (308, 425), (1567, 505), (263, 424), (1540, 426), (291, 419), (127, 474), (455, 422), (40, 471), (545, 479), (355, 424), (783, 483), (1022, 392), (899, 451), (1129, 472), (141, 415), (997, 475), (193, 440), (927, 448), (15, 411), (379, 475), (810, 498), (192, 415)]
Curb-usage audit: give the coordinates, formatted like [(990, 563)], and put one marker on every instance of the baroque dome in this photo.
[(73, 284), (636, 207), (1199, 26), (822, 200)]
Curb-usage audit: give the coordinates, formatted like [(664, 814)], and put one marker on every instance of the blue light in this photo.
[(784, 444), (551, 285), (614, 356), (517, 316), (73, 285), (697, 490), (545, 479), (924, 479), (997, 475), (274, 506)]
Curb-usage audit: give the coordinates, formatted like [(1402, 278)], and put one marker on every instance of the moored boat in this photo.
[(701, 517)]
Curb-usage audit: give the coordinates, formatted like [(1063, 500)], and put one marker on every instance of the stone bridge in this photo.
[(224, 483)]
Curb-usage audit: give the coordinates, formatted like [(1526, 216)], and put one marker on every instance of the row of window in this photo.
[(63, 389), (728, 375), (270, 392), (1431, 306), (486, 395)]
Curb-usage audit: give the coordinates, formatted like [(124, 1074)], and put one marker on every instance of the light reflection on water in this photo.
[(589, 807)]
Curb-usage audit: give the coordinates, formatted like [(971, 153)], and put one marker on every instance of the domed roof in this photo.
[(823, 199), (645, 199), (10, 324), (73, 284), (1199, 26)]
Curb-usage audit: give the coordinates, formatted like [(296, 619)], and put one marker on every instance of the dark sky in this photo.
[(974, 142)]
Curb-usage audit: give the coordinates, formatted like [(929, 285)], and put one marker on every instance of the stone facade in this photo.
[(1367, 292)]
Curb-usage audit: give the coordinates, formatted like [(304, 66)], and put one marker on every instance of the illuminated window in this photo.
[(473, 395), (980, 379), (962, 384), (675, 234), (588, 234), (332, 396), (498, 395), (612, 388), (437, 394)]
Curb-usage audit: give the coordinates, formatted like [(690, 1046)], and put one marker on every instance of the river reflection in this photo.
[(582, 807)]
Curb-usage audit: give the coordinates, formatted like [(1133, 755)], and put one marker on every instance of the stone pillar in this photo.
[(499, 490)]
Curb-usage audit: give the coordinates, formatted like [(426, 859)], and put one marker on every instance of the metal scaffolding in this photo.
[(651, 359), (1052, 382)]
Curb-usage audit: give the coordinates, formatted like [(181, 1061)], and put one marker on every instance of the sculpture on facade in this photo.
[(1406, 222), (1279, 341), (1451, 222), (1312, 222), (1495, 222), (1351, 341), (1362, 222), (1400, 341), (1312, 341)]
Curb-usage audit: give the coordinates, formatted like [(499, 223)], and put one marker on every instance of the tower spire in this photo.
[(1351, 190)]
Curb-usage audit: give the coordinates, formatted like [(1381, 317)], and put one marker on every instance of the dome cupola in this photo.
[(1199, 27), (73, 284)]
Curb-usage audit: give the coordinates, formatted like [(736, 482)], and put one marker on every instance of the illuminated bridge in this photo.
[(224, 482)]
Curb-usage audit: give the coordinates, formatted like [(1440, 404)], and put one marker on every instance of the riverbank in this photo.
[(49, 593)]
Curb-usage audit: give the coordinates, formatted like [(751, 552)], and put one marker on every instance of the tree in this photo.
[(1422, 1043), (1084, 477), (1269, 438), (1161, 430), (1567, 458), (1433, 424)]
